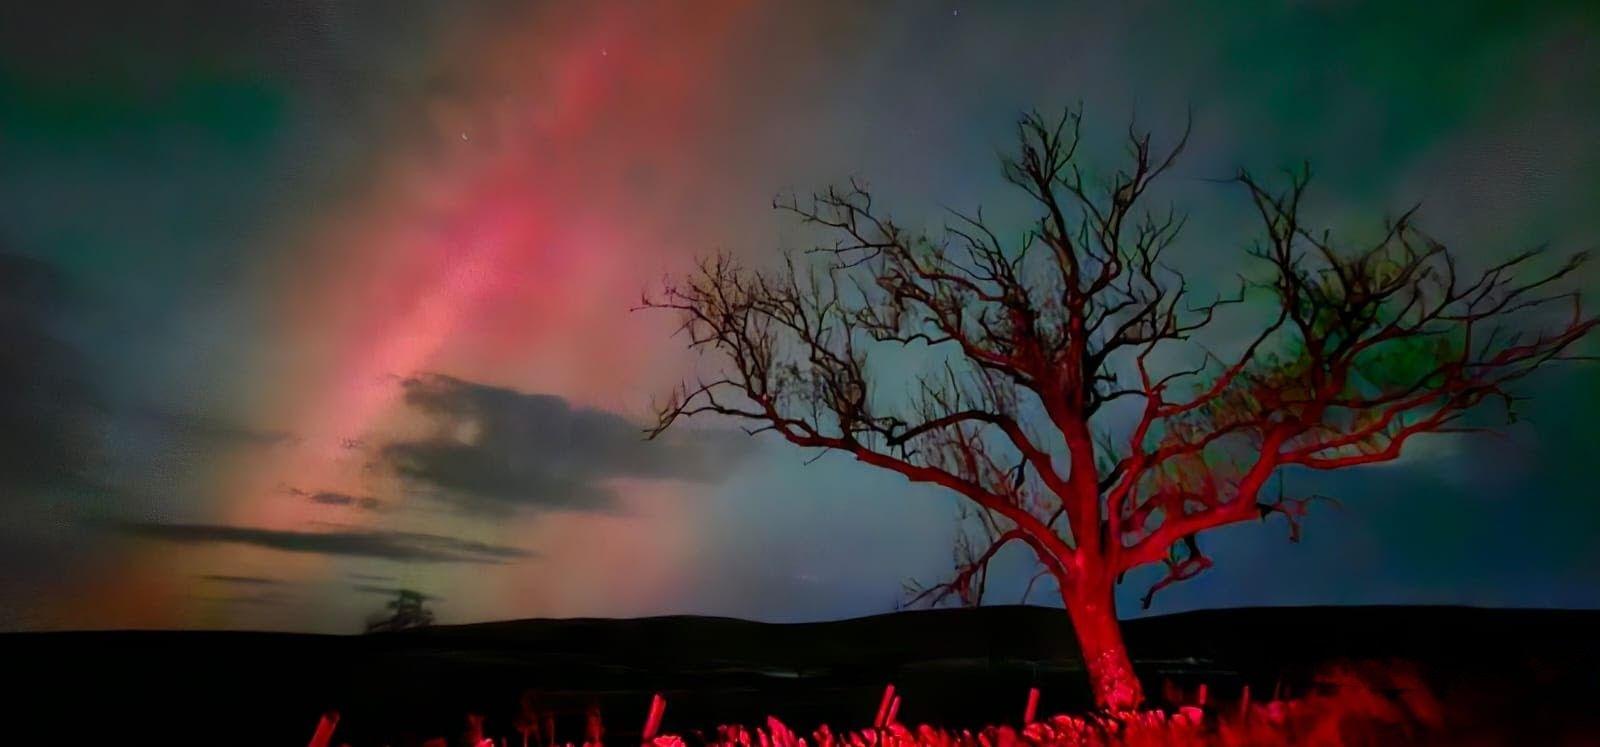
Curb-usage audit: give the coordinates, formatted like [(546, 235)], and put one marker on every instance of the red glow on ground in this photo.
[(1350, 705)]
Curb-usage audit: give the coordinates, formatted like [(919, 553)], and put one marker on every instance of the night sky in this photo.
[(302, 302)]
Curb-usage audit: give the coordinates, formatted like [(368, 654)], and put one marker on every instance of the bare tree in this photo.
[(406, 611), (1363, 348)]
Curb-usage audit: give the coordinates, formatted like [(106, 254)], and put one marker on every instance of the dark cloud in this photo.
[(495, 448), (344, 499), (334, 498), (266, 598), (204, 428), (64, 429), (388, 545), (390, 591), (48, 410), (370, 577), (241, 580)]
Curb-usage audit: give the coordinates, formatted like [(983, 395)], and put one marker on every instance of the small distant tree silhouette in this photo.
[(407, 610)]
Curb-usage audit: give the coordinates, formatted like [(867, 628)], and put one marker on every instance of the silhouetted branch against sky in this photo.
[(1362, 348)]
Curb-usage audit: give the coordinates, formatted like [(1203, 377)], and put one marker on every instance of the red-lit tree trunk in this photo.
[(1093, 610)]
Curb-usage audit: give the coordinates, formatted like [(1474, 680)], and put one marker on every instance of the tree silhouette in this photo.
[(407, 610), (1362, 348)]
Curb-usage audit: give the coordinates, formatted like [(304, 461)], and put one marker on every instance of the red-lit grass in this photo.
[(1349, 705)]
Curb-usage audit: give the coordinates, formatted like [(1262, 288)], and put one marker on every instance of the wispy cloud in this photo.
[(370, 577), (265, 599), (390, 591), (241, 580), (388, 545), (49, 410), (207, 429), (335, 498)]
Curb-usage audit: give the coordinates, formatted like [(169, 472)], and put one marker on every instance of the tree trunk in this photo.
[(1093, 611)]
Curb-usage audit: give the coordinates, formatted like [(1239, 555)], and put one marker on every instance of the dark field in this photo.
[(1502, 676)]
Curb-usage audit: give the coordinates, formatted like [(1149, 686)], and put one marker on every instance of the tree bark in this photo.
[(1093, 610)]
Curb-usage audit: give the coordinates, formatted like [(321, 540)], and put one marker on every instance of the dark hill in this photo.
[(960, 667)]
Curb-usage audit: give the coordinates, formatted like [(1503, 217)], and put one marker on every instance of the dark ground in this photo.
[(1532, 673)]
